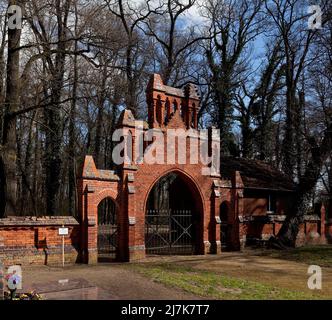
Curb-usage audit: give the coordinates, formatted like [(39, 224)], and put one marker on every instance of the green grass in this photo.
[(215, 286), (318, 255)]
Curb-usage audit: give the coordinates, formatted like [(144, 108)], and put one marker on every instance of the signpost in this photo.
[(63, 232)]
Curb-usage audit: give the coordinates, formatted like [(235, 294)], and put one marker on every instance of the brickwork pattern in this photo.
[(36, 241)]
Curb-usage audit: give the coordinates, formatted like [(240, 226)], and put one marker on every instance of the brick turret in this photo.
[(165, 102)]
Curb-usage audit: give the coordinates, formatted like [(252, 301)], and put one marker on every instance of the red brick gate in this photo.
[(233, 207), (249, 201), (130, 186)]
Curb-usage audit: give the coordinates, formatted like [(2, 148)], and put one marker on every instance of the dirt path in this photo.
[(114, 281)]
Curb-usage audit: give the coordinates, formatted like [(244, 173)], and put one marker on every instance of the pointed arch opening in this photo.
[(107, 240), (174, 216)]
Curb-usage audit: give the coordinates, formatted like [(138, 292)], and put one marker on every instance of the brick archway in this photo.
[(90, 200), (108, 227), (107, 193), (94, 186), (130, 186), (185, 175), (180, 226)]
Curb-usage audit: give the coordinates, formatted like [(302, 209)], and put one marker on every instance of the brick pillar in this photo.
[(159, 106), (238, 235), (168, 109), (208, 225), (195, 118), (322, 220), (215, 222), (93, 234), (161, 112), (136, 223), (131, 221), (83, 209), (2, 284), (242, 236), (89, 230), (153, 114), (188, 115), (122, 220)]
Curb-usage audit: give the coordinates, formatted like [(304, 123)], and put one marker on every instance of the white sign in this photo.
[(63, 231)]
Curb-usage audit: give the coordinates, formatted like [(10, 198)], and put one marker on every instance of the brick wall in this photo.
[(314, 230), (32, 240)]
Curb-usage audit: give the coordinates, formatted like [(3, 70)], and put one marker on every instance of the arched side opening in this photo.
[(174, 217), (107, 231), (224, 226)]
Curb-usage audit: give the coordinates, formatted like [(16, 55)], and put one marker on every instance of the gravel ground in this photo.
[(122, 281), (103, 281)]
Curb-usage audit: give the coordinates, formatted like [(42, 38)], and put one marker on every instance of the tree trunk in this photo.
[(8, 153), (289, 141), (287, 235), (2, 73), (53, 161), (131, 88), (246, 140), (72, 136), (290, 228), (99, 125)]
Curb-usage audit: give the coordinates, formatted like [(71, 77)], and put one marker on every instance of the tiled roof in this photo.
[(256, 174)]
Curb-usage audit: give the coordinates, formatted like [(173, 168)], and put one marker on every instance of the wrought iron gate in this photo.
[(169, 232), (107, 233)]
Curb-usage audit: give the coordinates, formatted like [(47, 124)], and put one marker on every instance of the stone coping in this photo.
[(313, 217), (275, 218), (102, 176), (38, 221)]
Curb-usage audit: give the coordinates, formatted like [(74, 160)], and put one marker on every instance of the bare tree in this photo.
[(290, 24), (131, 16), (8, 138), (315, 135), (257, 106), (174, 41), (234, 24)]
